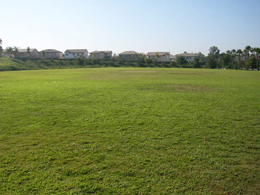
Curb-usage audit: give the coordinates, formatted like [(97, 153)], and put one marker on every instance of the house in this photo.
[(172, 57), (76, 53), (4, 54), (100, 55), (130, 56), (51, 54), (23, 53), (159, 56), (188, 56)]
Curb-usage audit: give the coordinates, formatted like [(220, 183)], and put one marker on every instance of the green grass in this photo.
[(129, 131)]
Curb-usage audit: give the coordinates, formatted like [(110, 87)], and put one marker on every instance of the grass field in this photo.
[(130, 131)]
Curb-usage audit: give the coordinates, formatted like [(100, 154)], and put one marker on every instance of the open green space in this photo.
[(130, 131)]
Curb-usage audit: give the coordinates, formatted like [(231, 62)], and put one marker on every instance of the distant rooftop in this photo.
[(51, 51), (25, 50), (76, 50), (159, 53), (93, 52), (129, 53)]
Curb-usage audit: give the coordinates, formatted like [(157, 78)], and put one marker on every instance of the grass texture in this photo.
[(129, 131)]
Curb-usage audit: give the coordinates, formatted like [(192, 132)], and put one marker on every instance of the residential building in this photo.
[(159, 56), (188, 56), (23, 53), (100, 55), (51, 54), (130, 56), (4, 54), (172, 57), (76, 53)]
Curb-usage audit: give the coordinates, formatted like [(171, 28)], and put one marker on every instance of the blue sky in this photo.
[(122, 25)]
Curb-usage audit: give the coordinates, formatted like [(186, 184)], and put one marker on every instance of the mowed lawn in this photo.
[(130, 131)]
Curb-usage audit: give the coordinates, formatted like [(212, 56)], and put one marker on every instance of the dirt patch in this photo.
[(183, 87), (178, 88), (138, 71)]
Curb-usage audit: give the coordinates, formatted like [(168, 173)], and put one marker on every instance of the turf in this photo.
[(129, 131)]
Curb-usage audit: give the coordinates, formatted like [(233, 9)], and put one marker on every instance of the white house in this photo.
[(76, 53)]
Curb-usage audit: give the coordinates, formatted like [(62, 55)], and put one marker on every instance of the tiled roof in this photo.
[(100, 52), (129, 53), (76, 50), (25, 50), (51, 51), (159, 53)]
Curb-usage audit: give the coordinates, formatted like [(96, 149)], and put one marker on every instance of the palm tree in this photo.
[(233, 56), (239, 52), (257, 50), (247, 50)]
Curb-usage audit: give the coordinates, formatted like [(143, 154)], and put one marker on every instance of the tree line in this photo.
[(246, 59), (234, 59)]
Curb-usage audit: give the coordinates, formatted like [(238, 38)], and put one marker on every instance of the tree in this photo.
[(239, 53), (257, 50), (214, 51), (233, 57), (15, 52), (211, 62), (246, 51), (251, 63), (213, 56), (9, 51), (196, 63), (201, 57), (143, 57), (28, 51), (172, 63), (226, 59), (1, 49), (157, 55), (181, 60), (43, 54), (148, 62)]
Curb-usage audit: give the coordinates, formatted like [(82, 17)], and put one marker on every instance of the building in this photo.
[(23, 53), (159, 56), (4, 54), (76, 53), (100, 55), (172, 58), (130, 56), (51, 54), (188, 56)]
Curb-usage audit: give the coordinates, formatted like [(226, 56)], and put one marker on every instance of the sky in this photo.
[(131, 25)]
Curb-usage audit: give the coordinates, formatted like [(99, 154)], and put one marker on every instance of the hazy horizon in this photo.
[(144, 26)]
